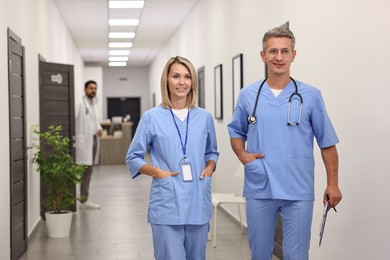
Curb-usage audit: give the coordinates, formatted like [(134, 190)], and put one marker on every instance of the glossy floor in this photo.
[(119, 230)]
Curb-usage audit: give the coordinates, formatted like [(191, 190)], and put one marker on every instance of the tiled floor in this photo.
[(119, 231)]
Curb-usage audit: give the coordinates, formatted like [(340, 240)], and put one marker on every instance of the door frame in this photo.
[(11, 36)]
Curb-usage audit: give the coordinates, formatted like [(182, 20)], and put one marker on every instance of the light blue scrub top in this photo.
[(287, 170), (173, 201)]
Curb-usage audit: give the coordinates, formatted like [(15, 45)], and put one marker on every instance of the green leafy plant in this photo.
[(59, 172)]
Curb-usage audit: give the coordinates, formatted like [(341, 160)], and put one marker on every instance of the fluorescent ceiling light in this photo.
[(117, 64), (118, 52), (121, 35), (126, 4), (118, 58), (123, 21), (120, 44)]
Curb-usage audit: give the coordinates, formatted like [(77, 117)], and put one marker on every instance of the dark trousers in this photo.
[(84, 187)]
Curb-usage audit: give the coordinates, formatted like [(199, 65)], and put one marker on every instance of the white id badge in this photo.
[(186, 172)]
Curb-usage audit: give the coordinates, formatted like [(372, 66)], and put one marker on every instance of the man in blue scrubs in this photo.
[(278, 158)]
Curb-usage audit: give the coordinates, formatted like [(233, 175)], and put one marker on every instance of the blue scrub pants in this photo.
[(296, 219), (180, 242)]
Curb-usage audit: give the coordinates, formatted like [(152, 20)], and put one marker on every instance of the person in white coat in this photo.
[(88, 129)]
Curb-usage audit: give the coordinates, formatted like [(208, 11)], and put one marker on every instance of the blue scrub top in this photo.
[(173, 201), (287, 170)]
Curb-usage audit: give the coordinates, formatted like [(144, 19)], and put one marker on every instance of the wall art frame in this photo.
[(237, 77), (218, 91), (201, 88)]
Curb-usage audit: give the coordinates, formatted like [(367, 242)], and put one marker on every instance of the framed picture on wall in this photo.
[(201, 88), (218, 86), (238, 79)]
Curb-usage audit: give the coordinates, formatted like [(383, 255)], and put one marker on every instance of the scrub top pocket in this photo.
[(255, 176), (300, 176), (162, 200)]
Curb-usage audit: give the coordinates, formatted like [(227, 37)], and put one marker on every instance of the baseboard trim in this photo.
[(34, 227)]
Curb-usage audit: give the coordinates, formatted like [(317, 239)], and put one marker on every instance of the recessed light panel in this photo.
[(121, 35), (120, 44), (118, 52), (117, 64), (118, 58), (123, 22), (126, 4)]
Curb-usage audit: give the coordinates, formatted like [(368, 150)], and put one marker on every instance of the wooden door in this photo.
[(56, 100), (18, 158)]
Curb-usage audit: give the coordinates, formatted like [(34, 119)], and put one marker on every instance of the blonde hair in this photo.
[(192, 95)]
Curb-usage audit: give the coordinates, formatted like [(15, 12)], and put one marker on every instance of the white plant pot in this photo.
[(58, 225)]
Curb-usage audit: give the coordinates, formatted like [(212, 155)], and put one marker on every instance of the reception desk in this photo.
[(113, 149)]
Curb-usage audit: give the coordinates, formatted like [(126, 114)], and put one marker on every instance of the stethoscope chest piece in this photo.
[(251, 119)]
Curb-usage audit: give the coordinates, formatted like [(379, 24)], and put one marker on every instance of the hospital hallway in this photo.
[(119, 230)]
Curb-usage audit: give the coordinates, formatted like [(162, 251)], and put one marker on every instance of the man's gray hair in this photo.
[(279, 32)]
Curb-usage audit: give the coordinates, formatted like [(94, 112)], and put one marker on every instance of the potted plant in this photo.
[(59, 174)]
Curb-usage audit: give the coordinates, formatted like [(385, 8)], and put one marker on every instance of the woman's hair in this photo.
[(278, 32), (165, 94)]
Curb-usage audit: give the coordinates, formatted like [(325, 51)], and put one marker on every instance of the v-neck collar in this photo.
[(178, 113), (280, 99)]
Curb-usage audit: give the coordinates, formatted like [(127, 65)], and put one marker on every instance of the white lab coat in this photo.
[(87, 125)]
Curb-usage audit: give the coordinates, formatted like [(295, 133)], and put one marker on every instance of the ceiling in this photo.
[(87, 21)]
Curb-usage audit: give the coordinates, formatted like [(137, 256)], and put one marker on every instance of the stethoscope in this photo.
[(252, 118)]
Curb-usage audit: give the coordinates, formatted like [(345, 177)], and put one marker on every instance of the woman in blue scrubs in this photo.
[(182, 143), (273, 135)]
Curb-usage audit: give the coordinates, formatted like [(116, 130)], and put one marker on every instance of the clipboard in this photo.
[(323, 222), (324, 215)]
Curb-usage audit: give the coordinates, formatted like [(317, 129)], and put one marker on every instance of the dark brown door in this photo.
[(56, 101), (18, 159)]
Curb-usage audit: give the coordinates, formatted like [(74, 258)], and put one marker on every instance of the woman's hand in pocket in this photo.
[(156, 172)]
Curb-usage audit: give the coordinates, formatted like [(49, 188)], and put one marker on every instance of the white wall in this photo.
[(41, 28), (126, 82), (341, 49)]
